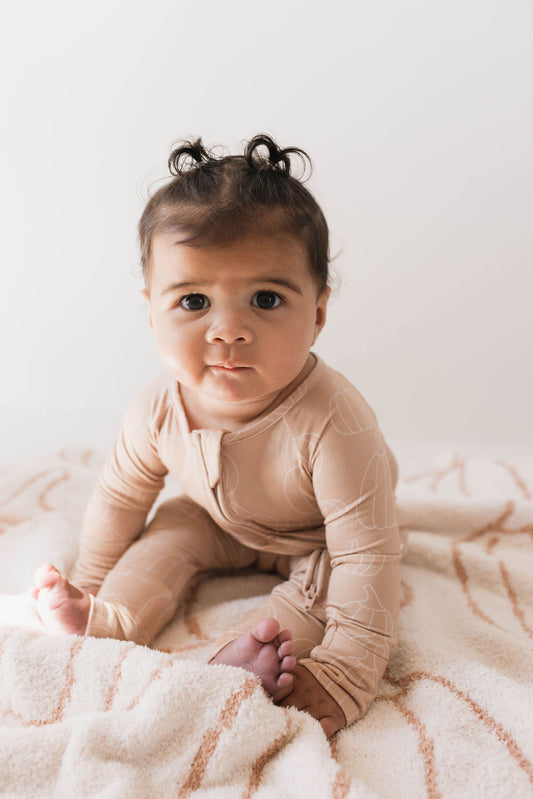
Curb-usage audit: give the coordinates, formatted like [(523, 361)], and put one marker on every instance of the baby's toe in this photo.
[(46, 576), (265, 630), (284, 686), (288, 663), (285, 635), (286, 648)]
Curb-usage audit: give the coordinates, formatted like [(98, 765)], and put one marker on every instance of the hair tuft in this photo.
[(189, 155)]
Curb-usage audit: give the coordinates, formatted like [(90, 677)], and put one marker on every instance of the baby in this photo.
[(282, 462)]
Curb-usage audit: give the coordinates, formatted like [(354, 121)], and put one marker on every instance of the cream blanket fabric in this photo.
[(454, 716)]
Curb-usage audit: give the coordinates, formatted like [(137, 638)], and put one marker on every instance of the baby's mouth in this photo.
[(229, 367)]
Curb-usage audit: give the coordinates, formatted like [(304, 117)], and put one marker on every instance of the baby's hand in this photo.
[(309, 695)]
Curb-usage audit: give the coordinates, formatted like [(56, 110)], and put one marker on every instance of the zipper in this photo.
[(314, 576)]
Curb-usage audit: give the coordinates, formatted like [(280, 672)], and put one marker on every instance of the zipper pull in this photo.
[(311, 594)]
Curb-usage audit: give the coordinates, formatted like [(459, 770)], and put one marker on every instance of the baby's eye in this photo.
[(194, 302), (266, 300)]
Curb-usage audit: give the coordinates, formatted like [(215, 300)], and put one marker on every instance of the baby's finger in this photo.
[(330, 726)]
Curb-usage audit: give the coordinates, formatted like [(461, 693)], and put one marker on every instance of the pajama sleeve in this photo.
[(129, 483), (354, 474)]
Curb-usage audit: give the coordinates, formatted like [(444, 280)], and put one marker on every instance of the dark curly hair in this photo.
[(213, 200)]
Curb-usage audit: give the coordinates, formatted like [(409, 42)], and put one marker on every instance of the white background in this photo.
[(419, 119)]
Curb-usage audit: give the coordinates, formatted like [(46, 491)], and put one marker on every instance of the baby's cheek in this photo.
[(173, 343), (171, 357)]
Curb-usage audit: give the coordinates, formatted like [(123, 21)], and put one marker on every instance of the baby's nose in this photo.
[(229, 326)]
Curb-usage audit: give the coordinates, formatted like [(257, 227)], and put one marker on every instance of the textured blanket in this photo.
[(454, 716)]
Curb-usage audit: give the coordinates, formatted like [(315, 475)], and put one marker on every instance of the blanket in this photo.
[(81, 717)]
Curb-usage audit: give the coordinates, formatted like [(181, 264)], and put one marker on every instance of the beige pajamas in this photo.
[(306, 490)]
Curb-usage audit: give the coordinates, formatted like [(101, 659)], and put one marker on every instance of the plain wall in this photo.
[(419, 119)]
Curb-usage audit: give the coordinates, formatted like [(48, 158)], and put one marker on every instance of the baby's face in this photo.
[(233, 324)]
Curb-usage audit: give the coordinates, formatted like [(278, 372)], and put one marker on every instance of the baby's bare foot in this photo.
[(63, 608), (266, 652)]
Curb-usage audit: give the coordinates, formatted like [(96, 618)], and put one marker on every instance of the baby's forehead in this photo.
[(173, 248), (257, 257)]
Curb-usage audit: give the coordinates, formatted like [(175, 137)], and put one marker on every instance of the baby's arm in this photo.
[(129, 483), (354, 485)]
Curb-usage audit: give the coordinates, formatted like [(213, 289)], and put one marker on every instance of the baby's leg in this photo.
[(141, 593)]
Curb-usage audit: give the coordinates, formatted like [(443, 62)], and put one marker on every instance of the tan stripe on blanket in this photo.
[(211, 737)]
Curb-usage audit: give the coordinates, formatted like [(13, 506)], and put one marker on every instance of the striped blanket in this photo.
[(453, 718)]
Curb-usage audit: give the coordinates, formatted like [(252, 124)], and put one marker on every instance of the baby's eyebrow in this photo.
[(177, 286), (280, 281)]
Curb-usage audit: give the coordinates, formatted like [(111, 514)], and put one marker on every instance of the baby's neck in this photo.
[(203, 416)]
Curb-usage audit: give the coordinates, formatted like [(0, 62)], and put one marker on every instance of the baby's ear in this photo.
[(321, 311), (146, 295)]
